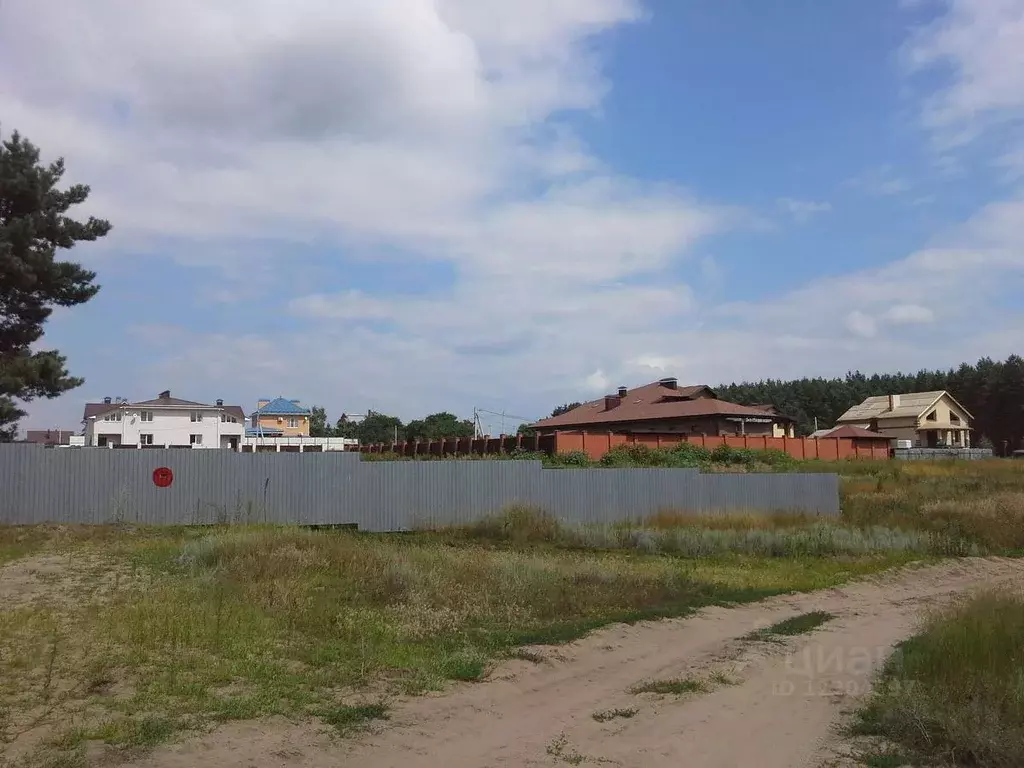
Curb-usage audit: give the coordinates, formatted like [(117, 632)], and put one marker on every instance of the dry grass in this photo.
[(213, 625), (978, 502), (953, 694), (701, 536)]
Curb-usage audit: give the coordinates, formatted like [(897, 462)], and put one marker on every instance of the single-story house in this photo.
[(926, 419), (863, 438), (665, 407)]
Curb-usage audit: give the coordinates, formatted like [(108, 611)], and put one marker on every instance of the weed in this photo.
[(464, 665), (610, 714), (797, 625), (720, 678), (885, 759), (557, 749), (347, 718), (676, 687)]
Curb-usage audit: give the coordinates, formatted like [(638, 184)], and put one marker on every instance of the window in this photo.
[(932, 416), (953, 418), (116, 416), (195, 439), (145, 415), (146, 439), (223, 417), (196, 416), (293, 422)]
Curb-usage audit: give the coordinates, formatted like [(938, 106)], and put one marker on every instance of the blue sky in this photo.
[(423, 205)]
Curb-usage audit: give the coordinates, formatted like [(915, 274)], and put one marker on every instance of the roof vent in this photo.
[(220, 403), (165, 395), (671, 382), (107, 400), (623, 391)]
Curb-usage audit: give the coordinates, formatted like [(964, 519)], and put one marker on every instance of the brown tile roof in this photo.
[(652, 402), (856, 432)]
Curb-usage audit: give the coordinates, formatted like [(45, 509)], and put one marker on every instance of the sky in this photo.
[(420, 205)]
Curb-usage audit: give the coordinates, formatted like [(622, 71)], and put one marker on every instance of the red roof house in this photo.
[(665, 407)]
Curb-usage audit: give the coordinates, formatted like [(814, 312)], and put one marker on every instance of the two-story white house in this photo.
[(164, 422)]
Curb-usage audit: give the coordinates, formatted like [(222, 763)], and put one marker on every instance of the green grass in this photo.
[(199, 626), (349, 717), (797, 625), (954, 693), (676, 687)]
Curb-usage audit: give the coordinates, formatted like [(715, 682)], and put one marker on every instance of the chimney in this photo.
[(622, 392), (671, 382), (261, 402), (894, 402), (107, 400), (611, 401), (165, 395), (220, 403)]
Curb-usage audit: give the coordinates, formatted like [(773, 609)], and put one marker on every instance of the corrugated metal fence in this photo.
[(100, 486)]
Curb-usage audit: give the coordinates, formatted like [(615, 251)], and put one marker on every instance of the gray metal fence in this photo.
[(933, 454), (40, 485)]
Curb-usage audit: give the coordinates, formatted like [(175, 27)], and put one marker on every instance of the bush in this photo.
[(571, 459), (691, 454)]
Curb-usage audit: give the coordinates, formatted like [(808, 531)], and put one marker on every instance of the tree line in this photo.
[(381, 428), (993, 392)]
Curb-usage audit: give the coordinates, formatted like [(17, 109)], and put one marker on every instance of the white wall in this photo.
[(169, 427)]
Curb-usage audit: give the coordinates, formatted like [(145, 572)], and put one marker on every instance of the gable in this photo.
[(943, 409)]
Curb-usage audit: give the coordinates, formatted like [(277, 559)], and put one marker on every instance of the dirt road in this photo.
[(776, 710)]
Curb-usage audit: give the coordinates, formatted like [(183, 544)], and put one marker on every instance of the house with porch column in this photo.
[(926, 419)]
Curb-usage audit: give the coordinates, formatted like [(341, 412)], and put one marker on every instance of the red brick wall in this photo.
[(597, 444)]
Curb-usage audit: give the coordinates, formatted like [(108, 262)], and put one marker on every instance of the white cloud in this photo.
[(861, 324), (597, 382), (980, 43), (909, 314), (803, 210)]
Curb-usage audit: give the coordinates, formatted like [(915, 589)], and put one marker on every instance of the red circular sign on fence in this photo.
[(162, 477)]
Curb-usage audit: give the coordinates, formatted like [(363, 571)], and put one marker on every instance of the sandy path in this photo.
[(779, 713)]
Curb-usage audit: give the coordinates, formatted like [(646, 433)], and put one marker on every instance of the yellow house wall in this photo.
[(942, 410), (281, 422)]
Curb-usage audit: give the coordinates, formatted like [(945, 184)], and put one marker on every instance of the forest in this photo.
[(992, 391)]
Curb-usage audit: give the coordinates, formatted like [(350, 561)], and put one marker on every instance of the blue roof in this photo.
[(263, 432), (279, 406)]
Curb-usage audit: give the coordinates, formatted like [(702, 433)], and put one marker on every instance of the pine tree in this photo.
[(34, 226)]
